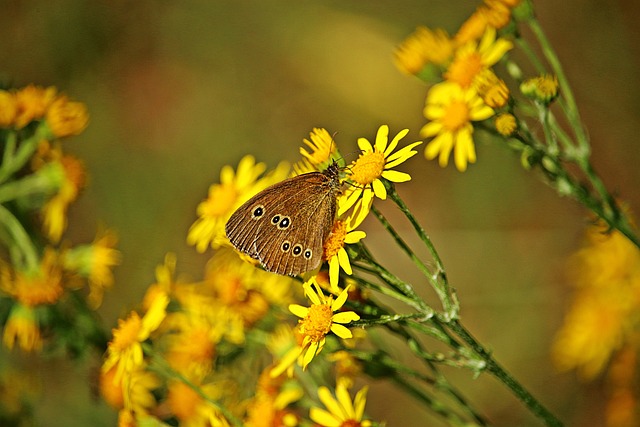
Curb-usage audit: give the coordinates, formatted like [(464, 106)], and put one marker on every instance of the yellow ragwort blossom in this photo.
[(269, 406), (340, 410), (133, 391), (319, 319), (54, 212), (506, 124), (492, 89), (94, 263), (451, 109), (66, 118), (601, 319), (191, 409), (32, 103), (323, 149), (376, 161), (423, 47), (8, 108), (492, 13), (471, 58), (541, 88), (22, 328), (42, 286), (343, 232), (124, 351), (224, 198)]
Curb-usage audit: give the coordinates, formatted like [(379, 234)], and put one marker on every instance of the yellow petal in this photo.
[(299, 310), (396, 176), (431, 129), (350, 200), (382, 137), (365, 145), (341, 331), (330, 402), (345, 317), (354, 237), (343, 259), (334, 272), (342, 298), (359, 402), (345, 401), (394, 142), (323, 418), (379, 190)]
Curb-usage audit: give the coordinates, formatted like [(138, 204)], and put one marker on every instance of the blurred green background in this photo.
[(178, 89)]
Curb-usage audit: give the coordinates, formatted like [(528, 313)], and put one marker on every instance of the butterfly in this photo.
[(285, 226)]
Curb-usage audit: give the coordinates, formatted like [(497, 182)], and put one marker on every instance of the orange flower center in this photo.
[(335, 242), (127, 332), (456, 115), (368, 167), (350, 423), (318, 322)]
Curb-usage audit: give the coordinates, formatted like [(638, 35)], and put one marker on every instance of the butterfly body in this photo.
[(285, 226)]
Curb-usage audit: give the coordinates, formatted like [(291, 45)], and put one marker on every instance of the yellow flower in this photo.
[(343, 232), (492, 13), (506, 124), (125, 350), (422, 47), (66, 118), (8, 108), (32, 103), (323, 149), (340, 411), (451, 110), (234, 189), (473, 57), (319, 319), (269, 405), (191, 409), (94, 262), (244, 289), (22, 328), (134, 391), (374, 163), (602, 317), (542, 88), (592, 330), (192, 348), (55, 210), (43, 286), (492, 89)]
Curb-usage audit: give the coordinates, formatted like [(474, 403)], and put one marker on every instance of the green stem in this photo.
[(395, 282), (383, 290), (436, 406), (446, 293), (571, 110), (507, 379), (19, 240), (13, 161), (45, 181)]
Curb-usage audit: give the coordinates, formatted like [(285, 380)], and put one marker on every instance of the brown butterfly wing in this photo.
[(285, 226)]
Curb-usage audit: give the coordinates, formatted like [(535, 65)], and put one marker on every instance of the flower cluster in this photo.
[(599, 332), (243, 299), (38, 183), (466, 90)]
